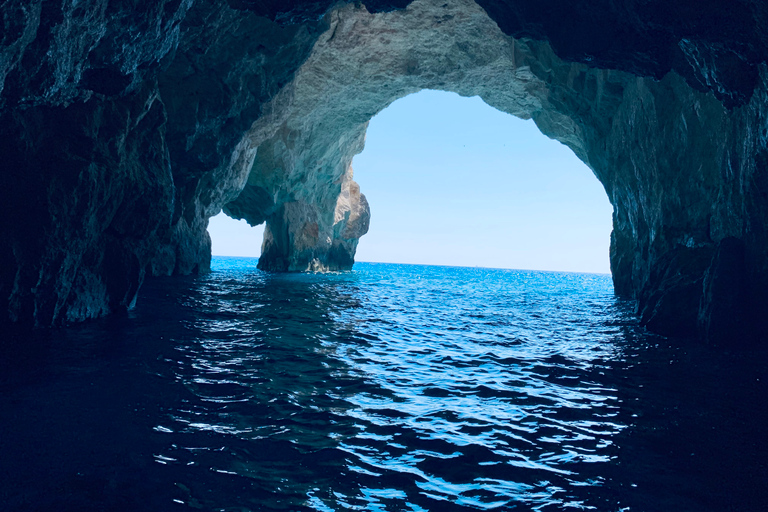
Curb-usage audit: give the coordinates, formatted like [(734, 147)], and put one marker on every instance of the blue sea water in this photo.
[(388, 388)]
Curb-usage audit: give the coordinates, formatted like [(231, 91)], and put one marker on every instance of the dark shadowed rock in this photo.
[(717, 46), (726, 314), (669, 304), (87, 189)]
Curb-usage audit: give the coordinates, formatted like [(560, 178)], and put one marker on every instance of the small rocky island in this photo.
[(125, 126)]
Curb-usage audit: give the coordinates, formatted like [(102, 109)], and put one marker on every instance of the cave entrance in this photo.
[(453, 181), (230, 237)]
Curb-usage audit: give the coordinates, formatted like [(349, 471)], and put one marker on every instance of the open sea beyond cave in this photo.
[(388, 388)]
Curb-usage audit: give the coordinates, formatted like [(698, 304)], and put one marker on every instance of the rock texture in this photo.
[(125, 126), (121, 134)]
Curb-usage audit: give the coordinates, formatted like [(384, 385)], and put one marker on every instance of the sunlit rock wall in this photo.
[(672, 158), (124, 128)]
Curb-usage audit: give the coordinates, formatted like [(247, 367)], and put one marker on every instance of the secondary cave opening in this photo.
[(231, 237), (453, 181)]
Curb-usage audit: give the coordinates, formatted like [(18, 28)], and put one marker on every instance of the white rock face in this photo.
[(307, 248), (310, 132), (668, 156)]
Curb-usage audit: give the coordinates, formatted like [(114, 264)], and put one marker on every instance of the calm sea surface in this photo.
[(388, 388)]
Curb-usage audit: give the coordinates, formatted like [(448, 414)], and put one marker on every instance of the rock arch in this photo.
[(258, 109), (632, 132)]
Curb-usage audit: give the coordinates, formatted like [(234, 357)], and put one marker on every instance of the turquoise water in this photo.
[(391, 387)]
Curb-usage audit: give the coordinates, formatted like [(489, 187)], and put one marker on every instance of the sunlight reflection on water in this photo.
[(392, 387), (429, 385)]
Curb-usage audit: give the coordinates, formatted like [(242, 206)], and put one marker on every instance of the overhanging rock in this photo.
[(128, 130)]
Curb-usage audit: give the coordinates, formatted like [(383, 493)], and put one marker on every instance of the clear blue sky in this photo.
[(452, 181)]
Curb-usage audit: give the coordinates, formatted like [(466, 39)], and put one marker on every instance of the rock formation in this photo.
[(125, 127)]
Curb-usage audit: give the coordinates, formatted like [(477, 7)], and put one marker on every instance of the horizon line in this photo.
[(448, 266)]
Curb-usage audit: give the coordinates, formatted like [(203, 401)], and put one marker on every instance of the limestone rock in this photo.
[(120, 135), (124, 127), (300, 237), (78, 229), (715, 46), (725, 286), (670, 211)]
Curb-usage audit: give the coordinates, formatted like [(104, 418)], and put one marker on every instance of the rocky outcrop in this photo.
[(301, 236), (122, 132)]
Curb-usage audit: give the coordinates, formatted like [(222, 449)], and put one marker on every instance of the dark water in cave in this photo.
[(393, 387)]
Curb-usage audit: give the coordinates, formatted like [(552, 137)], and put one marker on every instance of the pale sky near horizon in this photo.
[(452, 181)]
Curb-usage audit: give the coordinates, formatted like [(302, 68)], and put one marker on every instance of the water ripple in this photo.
[(389, 388), (421, 387)]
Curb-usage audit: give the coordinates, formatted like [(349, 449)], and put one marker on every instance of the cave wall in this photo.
[(120, 134), (126, 125), (677, 164)]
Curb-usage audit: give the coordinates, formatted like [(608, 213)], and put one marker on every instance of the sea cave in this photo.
[(126, 126)]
